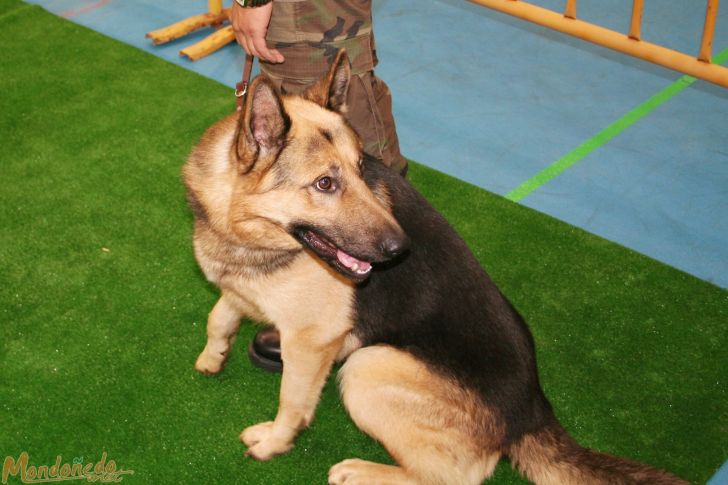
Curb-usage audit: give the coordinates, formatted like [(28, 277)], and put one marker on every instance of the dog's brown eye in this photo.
[(325, 184)]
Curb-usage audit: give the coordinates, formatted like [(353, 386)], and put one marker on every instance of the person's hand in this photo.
[(250, 26)]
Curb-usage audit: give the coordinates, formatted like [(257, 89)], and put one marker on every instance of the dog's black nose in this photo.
[(394, 244)]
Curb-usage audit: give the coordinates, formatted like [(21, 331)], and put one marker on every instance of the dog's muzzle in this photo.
[(354, 266)]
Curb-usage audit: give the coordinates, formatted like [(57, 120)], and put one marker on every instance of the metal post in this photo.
[(570, 9), (214, 6), (657, 54), (635, 26), (706, 45)]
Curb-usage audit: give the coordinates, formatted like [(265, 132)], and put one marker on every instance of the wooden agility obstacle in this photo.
[(214, 17), (631, 43)]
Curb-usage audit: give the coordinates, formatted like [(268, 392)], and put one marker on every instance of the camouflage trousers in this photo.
[(309, 33), (369, 113)]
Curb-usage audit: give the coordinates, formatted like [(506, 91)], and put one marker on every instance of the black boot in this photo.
[(265, 350)]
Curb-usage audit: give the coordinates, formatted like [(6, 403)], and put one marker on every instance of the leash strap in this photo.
[(241, 88)]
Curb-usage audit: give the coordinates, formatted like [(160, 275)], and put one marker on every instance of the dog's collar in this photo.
[(241, 88)]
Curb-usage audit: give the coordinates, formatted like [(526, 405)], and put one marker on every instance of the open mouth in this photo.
[(345, 263)]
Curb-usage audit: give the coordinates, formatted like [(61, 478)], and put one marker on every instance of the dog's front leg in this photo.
[(222, 327), (307, 361)]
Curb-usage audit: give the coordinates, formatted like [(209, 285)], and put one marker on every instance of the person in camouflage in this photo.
[(296, 41)]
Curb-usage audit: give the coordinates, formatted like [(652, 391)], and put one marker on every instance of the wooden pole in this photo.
[(214, 18), (209, 44), (635, 26), (706, 45), (184, 27), (614, 40)]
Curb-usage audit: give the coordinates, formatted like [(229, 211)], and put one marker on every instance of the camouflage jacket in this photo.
[(309, 33)]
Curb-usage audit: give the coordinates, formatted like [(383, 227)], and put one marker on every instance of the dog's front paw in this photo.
[(262, 443), (352, 471), (255, 434), (339, 473), (209, 363)]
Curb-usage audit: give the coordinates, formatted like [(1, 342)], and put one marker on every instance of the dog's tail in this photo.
[(551, 456)]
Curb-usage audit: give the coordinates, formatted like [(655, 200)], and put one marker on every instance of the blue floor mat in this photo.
[(493, 100)]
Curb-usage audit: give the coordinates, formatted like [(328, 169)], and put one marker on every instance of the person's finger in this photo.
[(250, 47), (270, 55), (277, 55), (239, 38)]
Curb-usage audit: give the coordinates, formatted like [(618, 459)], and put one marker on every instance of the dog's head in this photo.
[(299, 178)]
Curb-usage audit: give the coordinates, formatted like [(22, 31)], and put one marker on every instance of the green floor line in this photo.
[(601, 138)]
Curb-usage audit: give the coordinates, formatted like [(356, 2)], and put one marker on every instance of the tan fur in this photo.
[(540, 465), (312, 331), (253, 184), (351, 343), (551, 457), (245, 197), (247, 191), (436, 431)]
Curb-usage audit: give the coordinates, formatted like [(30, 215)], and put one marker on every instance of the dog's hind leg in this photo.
[(437, 432), (222, 327)]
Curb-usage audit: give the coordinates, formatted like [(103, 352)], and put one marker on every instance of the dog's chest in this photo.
[(306, 292)]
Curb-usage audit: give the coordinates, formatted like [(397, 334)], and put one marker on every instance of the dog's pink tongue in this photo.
[(351, 262)]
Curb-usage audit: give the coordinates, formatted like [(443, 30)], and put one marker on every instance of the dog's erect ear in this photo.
[(331, 90), (263, 124)]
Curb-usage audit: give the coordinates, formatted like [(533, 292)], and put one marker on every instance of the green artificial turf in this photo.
[(102, 307)]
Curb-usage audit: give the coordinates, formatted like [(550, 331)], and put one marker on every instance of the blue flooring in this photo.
[(720, 477), (507, 98), (493, 100)]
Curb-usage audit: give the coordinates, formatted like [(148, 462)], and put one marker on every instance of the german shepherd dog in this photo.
[(349, 262)]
